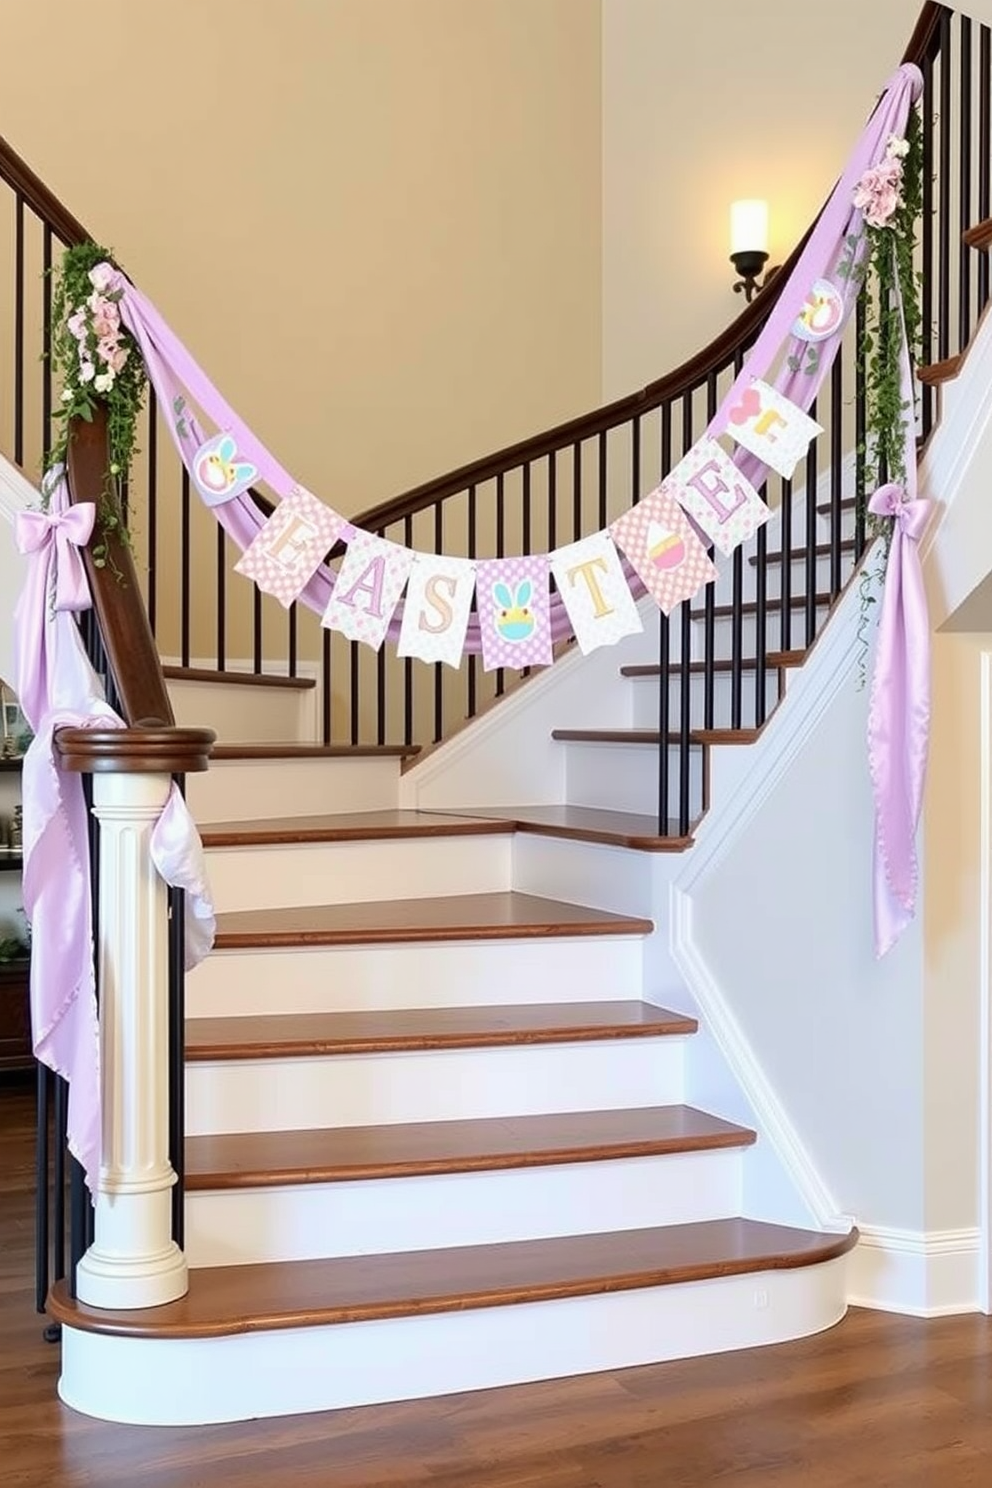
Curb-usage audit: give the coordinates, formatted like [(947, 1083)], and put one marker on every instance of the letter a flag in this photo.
[(515, 612), (594, 591), (707, 483), (436, 609), (765, 422), (286, 553), (368, 589), (662, 547)]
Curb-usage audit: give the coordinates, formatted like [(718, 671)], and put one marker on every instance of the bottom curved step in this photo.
[(285, 1338)]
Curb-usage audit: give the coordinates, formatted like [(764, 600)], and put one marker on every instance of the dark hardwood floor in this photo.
[(878, 1402)]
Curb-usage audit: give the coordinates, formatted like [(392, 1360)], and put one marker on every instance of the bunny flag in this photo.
[(514, 612)]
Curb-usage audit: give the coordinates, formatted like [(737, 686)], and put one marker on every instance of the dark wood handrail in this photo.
[(19, 175), (685, 379), (127, 636)]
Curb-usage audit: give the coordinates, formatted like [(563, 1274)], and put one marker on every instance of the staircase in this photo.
[(437, 1135)]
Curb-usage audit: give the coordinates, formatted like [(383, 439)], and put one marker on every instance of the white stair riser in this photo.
[(240, 713), (431, 1085), (645, 696), (411, 975), (234, 1227), (775, 637), (294, 1370), (624, 777), (798, 579), (275, 877), (239, 790)]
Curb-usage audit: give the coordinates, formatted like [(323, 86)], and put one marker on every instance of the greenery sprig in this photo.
[(98, 362)]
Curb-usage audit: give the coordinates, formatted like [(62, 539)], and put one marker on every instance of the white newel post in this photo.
[(133, 1261)]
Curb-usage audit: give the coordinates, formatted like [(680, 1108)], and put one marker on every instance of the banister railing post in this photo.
[(134, 1260)]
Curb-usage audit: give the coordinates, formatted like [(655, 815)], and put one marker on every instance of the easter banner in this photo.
[(373, 573), (513, 599), (663, 549), (436, 609), (594, 591), (291, 546), (717, 496)]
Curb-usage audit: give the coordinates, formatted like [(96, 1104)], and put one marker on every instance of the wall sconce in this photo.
[(749, 245)]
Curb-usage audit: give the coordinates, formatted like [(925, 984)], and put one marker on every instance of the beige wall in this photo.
[(704, 103), (376, 222)]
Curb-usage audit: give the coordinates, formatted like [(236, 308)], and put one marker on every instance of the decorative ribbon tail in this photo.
[(69, 530)]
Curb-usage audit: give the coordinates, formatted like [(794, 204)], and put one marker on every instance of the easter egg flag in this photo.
[(513, 601), (708, 485), (218, 471), (594, 591), (771, 427), (368, 588), (287, 551), (663, 549), (436, 608)]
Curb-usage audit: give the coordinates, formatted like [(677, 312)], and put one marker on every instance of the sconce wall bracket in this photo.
[(749, 265)]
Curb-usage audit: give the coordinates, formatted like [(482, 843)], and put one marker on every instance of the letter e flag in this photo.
[(286, 553)]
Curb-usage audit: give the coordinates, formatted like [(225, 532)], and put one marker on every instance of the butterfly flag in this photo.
[(514, 605), (708, 485), (219, 472), (765, 422), (594, 591), (287, 551), (663, 549), (368, 588), (436, 609)]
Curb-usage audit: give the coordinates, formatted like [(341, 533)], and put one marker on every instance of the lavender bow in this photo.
[(69, 530), (899, 716)]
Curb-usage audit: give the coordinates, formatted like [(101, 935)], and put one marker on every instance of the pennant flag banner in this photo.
[(663, 549), (771, 427), (368, 588), (707, 483), (514, 604), (291, 546), (595, 593), (219, 473), (436, 609)]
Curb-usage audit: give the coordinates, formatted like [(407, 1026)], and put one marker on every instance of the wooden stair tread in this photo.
[(979, 236), (940, 372), (499, 916), (291, 750), (356, 826), (653, 736), (287, 1035), (750, 607), (408, 1149), (721, 665), (227, 1300), (592, 824), (238, 679), (796, 555), (849, 503)]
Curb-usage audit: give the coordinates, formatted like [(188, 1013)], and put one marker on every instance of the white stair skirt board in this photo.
[(240, 712), (281, 875), (431, 1085), (414, 975), (624, 777), (377, 1216), (645, 695), (186, 1382), (293, 787)]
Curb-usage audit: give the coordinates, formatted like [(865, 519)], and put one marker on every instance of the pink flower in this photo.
[(106, 316), (77, 325), (113, 353), (879, 192)]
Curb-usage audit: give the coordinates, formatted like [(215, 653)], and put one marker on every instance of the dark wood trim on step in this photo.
[(652, 736), (750, 606), (225, 1301), (722, 665), (292, 750), (938, 373), (591, 824), (500, 916), (979, 236), (412, 1149), (135, 751), (825, 508), (237, 679), (797, 555), (401, 1030), (358, 826), (780, 659)]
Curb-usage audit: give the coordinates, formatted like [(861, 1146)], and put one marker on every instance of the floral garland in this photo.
[(890, 195), (98, 363)]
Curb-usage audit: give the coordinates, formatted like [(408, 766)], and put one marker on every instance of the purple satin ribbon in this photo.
[(68, 531)]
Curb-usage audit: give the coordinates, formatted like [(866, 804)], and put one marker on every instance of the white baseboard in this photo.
[(925, 1273)]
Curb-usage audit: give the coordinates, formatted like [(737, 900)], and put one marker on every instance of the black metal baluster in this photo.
[(473, 661), (500, 552), (964, 185), (59, 1179), (292, 639), (42, 1231), (944, 195), (812, 465), (256, 629), (152, 507), (184, 570), (685, 694), (19, 332), (438, 665), (737, 615), (761, 618), (984, 152), (664, 658), (709, 608), (325, 685), (603, 474), (525, 502), (408, 660), (380, 682), (354, 653), (860, 431), (836, 469), (552, 502), (46, 344), (221, 598), (576, 492), (785, 578)]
